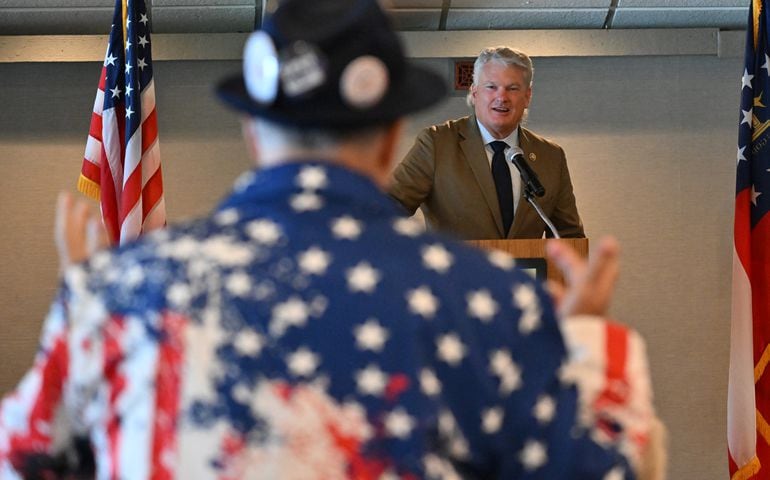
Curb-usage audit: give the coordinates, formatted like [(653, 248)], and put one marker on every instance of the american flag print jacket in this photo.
[(305, 330)]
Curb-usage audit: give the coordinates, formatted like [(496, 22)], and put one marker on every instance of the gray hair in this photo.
[(505, 56), (274, 135)]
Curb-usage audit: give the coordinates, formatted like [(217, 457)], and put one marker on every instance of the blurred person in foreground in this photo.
[(306, 330), (465, 184)]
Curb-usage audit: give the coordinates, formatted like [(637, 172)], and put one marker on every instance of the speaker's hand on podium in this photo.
[(589, 285)]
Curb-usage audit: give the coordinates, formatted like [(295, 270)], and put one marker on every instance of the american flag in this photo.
[(748, 398), (121, 167)]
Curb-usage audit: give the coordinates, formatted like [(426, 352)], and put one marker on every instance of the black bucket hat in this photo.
[(329, 63)]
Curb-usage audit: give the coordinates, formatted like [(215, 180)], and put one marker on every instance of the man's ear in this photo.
[(250, 137), (391, 139)]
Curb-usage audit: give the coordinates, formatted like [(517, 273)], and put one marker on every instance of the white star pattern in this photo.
[(226, 251), (133, 276), (110, 60), (306, 202), (458, 448), (616, 473), (129, 112), (399, 424), (746, 79), (429, 383), (141, 64), (314, 261), (371, 380), (303, 362), (128, 68), (293, 312), (248, 343), (238, 284), (754, 195), (143, 19), (533, 455), (179, 295), (436, 257), (371, 336), (182, 249), (437, 467), (492, 420), (362, 278), (450, 349), (740, 155), (143, 41), (115, 91), (529, 321), (544, 409), (227, 217), (408, 227), (502, 365), (447, 425), (242, 393), (422, 302), (129, 89), (501, 260), (746, 117), (264, 231), (312, 178), (346, 227), (481, 305), (766, 66), (524, 296)]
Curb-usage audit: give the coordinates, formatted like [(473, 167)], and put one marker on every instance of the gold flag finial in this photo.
[(756, 11)]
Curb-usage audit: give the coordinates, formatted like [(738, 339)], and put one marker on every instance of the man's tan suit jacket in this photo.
[(447, 175)]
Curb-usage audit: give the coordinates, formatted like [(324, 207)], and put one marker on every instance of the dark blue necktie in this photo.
[(502, 175)]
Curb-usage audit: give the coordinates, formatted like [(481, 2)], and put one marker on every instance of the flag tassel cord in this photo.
[(747, 471), (88, 187)]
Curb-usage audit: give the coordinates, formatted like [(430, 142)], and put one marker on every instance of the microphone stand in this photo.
[(529, 195)]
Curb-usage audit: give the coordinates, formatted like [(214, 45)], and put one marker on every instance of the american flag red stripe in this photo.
[(748, 395), (168, 385), (121, 166)]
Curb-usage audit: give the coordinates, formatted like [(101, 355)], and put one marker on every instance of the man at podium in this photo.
[(461, 173)]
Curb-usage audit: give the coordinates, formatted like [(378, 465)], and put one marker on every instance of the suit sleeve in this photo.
[(565, 215), (412, 179)]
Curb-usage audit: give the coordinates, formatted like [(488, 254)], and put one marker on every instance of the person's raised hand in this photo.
[(588, 285), (77, 232)]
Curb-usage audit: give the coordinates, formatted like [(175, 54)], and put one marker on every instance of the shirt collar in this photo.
[(512, 140), (335, 183)]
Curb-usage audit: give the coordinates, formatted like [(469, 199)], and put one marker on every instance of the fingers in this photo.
[(604, 265), (96, 236), (588, 285), (569, 263), (76, 232), (556, 290)]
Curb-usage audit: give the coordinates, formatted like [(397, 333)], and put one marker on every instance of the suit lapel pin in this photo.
[(532, 157)]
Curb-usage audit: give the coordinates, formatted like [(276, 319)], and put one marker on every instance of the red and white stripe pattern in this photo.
[(121, 165), (608, 362)]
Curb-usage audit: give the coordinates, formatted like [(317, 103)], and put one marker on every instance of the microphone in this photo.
[(528, 177)]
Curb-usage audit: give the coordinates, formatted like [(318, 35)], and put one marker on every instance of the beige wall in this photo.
[(651, 147)]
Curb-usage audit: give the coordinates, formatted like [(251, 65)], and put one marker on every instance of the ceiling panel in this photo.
[(412, 3), (416, 19), (725, 18), (534, 4), (203, 19), (524, 19), (697, 4), (19, 17)]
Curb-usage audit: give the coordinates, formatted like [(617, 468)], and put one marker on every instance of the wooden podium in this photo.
[(533, 249)]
